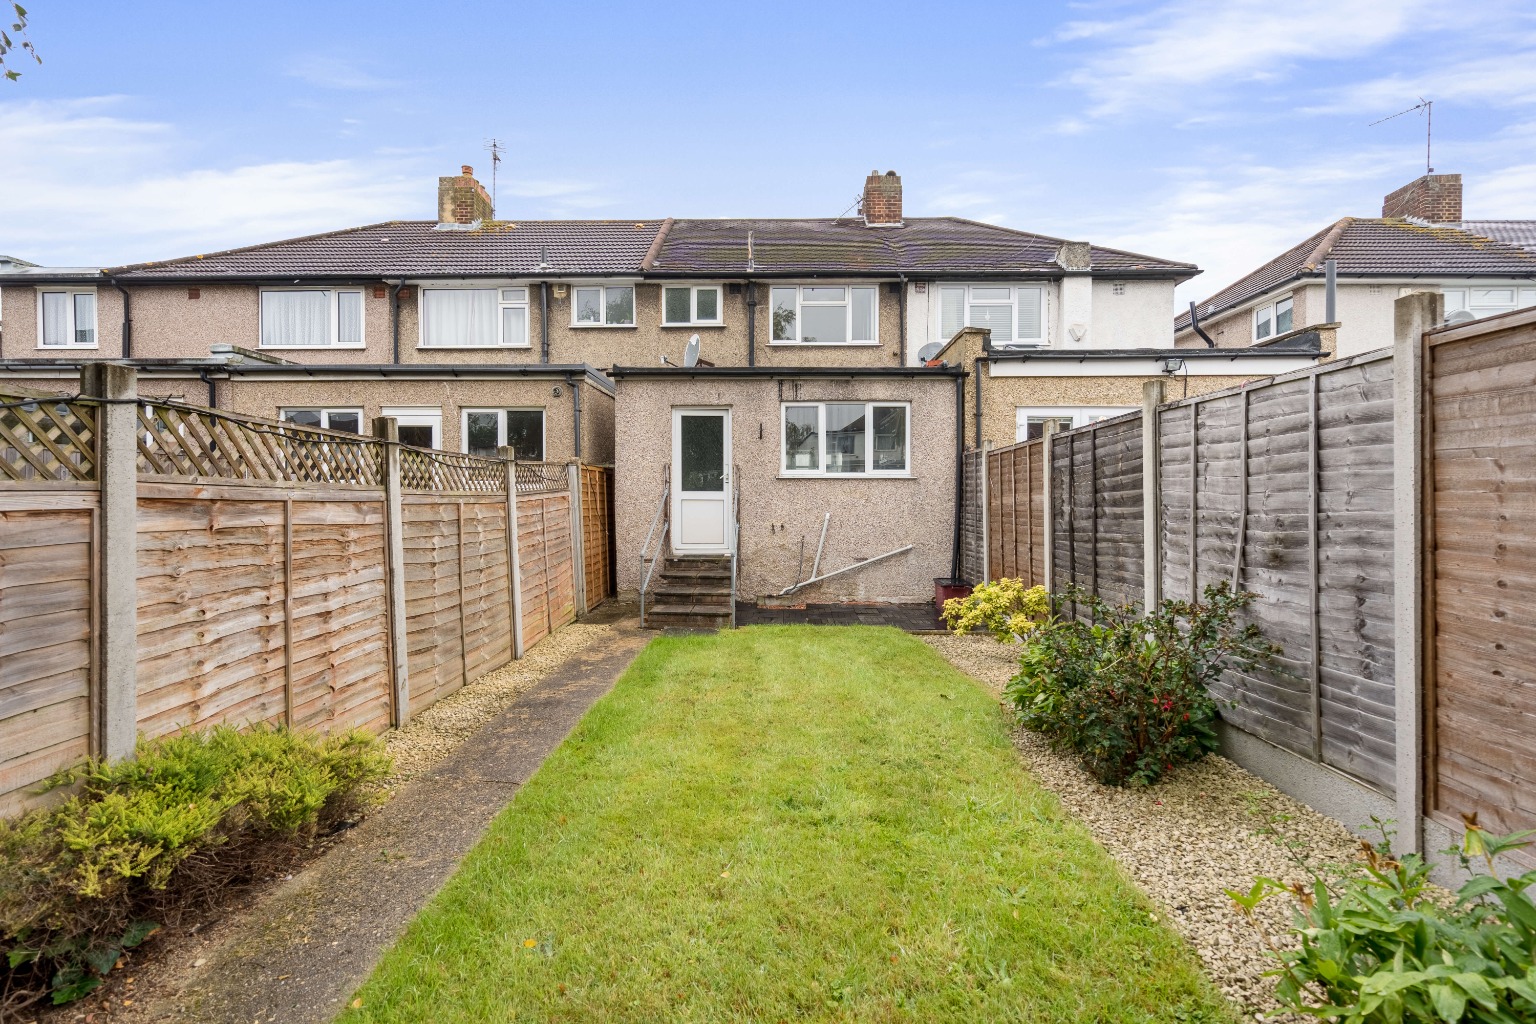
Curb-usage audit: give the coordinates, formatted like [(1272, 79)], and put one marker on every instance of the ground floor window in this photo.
[(1031, 421), (486, 430), (331, 419), (420, 427), (846, 438)]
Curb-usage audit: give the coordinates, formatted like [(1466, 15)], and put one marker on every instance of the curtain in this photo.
[(458, 317), (863, 315), (55, 319), (295, 318), (349, 318)]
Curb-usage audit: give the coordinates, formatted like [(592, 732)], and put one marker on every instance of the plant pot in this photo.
[(945, 588)]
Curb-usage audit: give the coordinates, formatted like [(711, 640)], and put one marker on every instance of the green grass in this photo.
[(787, 824)]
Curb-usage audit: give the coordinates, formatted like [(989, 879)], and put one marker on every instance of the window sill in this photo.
[(686, 327), (474, 348), (603, 327), (824, 344), (846, 476), (309, 348), (68, 348)]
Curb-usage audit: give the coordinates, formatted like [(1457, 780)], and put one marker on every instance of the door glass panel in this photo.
[(703, 453), (525, 433), (801, 443), (845, 438), (349, 421), (417, 436)]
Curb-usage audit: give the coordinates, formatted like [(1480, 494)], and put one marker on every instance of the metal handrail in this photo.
[(664, 517), (735, 537)]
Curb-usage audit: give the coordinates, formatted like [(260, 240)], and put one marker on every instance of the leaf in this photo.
[(19, 956), (104, 958), (1476, 986), (1450, 1002), (137, 932)]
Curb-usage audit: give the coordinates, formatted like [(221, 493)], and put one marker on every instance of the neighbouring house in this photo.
[(571, 339), (1419, 243)]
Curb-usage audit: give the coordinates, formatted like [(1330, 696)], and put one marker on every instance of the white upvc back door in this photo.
[(701, 481)]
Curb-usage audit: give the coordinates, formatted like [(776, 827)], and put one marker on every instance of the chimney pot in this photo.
[(467, 171), (882, 199), (1432, 197)]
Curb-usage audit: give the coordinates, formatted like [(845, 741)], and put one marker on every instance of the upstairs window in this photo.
[(825, 314), (685, 305), (846, 439), (67, 319), (607, 306), (1011, 312), (1272, 320), (474, 318), (312, 318)]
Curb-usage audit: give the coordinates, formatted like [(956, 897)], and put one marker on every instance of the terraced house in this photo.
[(803, 378)]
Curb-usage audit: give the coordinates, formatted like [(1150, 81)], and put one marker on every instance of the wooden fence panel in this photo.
[(47, 555), (1016, 512), (972, 557), (1481, 573), (434, 589), (487, 594), (547, 568), (1116, 535), (597, 532)]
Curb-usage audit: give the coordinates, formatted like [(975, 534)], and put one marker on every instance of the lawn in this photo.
[(787, 824)]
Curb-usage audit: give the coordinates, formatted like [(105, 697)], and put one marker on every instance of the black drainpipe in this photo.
[(751, 323), (394, 316), (1194, 321), (954, 560), (127, 318), (576, 410), (901, 330), (213, 394), (978, 401), (544, 317)]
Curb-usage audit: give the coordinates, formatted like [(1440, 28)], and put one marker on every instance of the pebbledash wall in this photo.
[(870, 515)]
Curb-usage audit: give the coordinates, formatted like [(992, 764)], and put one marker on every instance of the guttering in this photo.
[(786, 372), (357, 371), (954, 547), (127, 317), (1089, 355)]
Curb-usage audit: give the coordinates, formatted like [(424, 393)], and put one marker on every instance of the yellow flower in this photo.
[(530, 943)]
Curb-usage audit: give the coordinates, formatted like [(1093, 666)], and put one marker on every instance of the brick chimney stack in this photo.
[(1434, 197), (461, 199), (882, 199)]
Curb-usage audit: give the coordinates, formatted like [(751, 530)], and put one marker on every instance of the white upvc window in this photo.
[(487, 430), (1486, 300), (350, 420), (462, 316), (66, 318), (1030, 422), (685, 305), (609, 305), (825, 314), (846, 439), (420, 426), (1014, 313), (311, 318), (1272, 319)]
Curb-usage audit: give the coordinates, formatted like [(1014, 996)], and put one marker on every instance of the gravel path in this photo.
[(1183, 841)]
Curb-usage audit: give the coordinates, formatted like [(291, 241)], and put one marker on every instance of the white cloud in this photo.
[(1506, 78), (102, 188), (1508, 193), (1167, 54), (335, 73)]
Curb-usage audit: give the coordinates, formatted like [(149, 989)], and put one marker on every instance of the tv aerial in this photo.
[(1428, 106)]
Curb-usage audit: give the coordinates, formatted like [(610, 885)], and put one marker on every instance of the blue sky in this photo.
[(1218, 132)]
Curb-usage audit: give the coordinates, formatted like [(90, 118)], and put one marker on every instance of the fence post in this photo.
[(578, 539), (117, 682), (1048, 519), (1413, 315), (1151, 500), (514, 556), (982, 483), (387, 430)]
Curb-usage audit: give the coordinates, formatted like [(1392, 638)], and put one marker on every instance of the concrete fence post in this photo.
[(387, 430), (117, 615), (514, 556), (578, 538), (1047, 432), (1413, 315), (1151, 500)]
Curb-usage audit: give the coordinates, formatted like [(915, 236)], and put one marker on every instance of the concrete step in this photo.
[(697, 566), (690, 616), (691, 593)]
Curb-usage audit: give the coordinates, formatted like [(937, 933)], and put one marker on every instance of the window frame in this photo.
[(526, 305), (847, 303), (418, 416), (603, 287), (333, 300), (1078, 415), (501, 426), (821, 473), (1267, 314), (1014, 287), (325, 411), (70, 327), (693, 305)]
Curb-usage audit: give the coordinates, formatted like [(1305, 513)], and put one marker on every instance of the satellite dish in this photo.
[(930, 350), (691, 353), (1461, 316)]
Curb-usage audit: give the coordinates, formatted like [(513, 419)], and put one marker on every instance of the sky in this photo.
[(1219, 133)]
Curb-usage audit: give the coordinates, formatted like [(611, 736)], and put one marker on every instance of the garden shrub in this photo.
[(188, 820), (1129, 694), (1384, 945), (1005, 608)]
